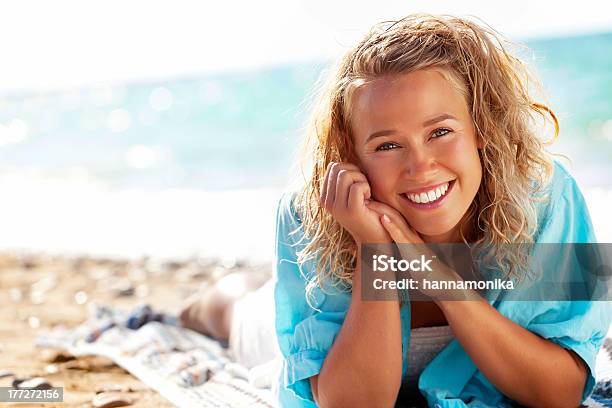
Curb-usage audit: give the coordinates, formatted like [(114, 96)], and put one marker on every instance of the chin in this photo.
[(432, 232), (442, 231)]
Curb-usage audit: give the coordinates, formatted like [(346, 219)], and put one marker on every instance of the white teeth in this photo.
[(429, 196)]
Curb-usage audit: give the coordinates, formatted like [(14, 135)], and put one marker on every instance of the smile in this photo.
[(431, 198)]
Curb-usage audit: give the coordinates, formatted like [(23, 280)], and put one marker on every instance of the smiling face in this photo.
[(416, 143)]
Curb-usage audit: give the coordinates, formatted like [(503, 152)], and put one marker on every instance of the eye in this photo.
[(440, 132), (386, 146)]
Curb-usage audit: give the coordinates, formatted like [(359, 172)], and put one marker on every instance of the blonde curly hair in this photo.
[(496, 86)]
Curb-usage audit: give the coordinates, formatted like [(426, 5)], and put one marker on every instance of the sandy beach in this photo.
[(40, 292)]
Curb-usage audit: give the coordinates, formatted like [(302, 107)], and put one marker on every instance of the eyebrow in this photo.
[(428, 122), (438, 118)]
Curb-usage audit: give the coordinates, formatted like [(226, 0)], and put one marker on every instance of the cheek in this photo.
[(469, 169), (453, 147), (461, 152), (381, 176)]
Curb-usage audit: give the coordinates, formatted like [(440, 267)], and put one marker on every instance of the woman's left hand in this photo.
[(404, 235), (395, 224)]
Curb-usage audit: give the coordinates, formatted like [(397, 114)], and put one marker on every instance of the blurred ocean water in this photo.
[(240, 130), (220, 132), (69, 159), (577, 77)]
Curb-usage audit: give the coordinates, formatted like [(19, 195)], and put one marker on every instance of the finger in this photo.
[(395, 217), (393, 214), (394, 230), (378, 207), (331, 186), (334, 169), (323, 192), (358, 193), (345, 179)]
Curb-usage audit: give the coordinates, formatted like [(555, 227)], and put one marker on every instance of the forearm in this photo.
[(525, 367), (364, 366)]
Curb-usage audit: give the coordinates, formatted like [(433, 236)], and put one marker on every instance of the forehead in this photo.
[(405, 100)]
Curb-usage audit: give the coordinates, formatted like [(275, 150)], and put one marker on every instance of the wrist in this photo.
[(378, 240), (459, 297)]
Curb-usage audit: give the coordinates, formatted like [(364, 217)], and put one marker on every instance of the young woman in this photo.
[(425, 133)]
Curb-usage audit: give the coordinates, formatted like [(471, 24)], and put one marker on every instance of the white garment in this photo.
[(253, 344), (252, 338), (425, 344)]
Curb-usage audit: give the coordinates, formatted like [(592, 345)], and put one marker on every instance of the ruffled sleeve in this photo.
[(305, 329), (579, 326)]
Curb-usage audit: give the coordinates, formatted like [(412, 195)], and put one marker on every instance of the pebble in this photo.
[(109, 400), (16, 381), (99, 273), (80, 297), (28, 263), (45, 284), (34, 322), (16, 295), (113, 388), (37, 383), (6, 373), (229, 262), (37, 297), (172, 265), (188, 274), (52, 369), (142, 290), (137, 274), (123, 288), (75, 365), (154, 266), (55, 356), (218, 272)]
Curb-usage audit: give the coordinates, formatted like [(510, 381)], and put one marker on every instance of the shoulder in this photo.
[(287, 208), (290, 238), (562, 183), (288, 221), (563, 211)]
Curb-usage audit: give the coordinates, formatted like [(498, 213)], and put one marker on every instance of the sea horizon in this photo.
[(196, 164)]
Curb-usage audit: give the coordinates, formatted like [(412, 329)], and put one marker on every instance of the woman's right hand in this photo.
[(345, 194)]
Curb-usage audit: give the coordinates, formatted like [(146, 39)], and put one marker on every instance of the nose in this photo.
[(420, 163)]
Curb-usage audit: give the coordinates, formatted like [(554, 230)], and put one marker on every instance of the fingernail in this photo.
[(385, 218)]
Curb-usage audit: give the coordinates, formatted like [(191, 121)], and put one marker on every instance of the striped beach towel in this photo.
[(192, 370), (185, 367)]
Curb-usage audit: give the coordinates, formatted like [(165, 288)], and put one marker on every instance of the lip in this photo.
[(424, 189), (429, 206)]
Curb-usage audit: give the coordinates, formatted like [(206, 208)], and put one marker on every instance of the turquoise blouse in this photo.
[(306, 328)]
